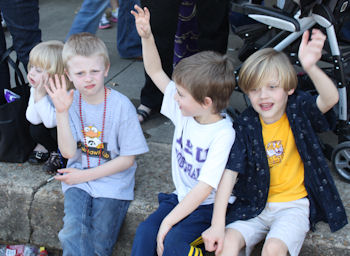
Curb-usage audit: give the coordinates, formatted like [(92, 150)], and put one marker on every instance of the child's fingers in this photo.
[(147, 13), (138, 9), (63, 82), (305, 38), (220, 245), (50, 88), (58, 82)]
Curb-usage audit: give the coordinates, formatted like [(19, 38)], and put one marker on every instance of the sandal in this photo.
[(144, 114)]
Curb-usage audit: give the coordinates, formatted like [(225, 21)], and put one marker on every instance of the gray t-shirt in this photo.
[(122, 136)]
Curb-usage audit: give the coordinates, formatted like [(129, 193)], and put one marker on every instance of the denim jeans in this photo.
[(22, 19), (128, 40), (179, 238), (89, 15), (91, 225)]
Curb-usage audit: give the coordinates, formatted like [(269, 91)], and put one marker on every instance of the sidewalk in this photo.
[(31, 210)]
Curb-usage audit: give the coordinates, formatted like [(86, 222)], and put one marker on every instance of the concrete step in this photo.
[(31, 210)]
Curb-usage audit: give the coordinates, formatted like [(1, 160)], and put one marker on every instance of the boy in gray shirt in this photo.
[(98, 131)]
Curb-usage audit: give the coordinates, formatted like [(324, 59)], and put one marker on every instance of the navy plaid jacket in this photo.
[(248, 158)]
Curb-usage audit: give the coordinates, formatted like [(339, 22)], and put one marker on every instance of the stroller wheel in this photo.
[(341, 160)]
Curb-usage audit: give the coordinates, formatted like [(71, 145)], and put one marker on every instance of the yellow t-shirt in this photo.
[(286, 166)]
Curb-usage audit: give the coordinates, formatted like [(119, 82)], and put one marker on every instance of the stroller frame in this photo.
[(292, 27)]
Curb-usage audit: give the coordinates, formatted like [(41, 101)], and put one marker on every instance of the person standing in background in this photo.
[(89, 16), (22, 20)]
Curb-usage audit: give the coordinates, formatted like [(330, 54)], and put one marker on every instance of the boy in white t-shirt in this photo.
[(202, 139)]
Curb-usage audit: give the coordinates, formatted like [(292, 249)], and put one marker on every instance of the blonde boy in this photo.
[(98, 131), (201, 88), (284, 185)]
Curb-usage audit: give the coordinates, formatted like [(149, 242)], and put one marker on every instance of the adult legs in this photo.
[(128, 40), (107, 216), (22, 19), (213, 25), (146, 234), (164, 17), (4, 69), (88, 17)]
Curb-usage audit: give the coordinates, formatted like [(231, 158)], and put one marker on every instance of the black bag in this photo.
[(15, 141)]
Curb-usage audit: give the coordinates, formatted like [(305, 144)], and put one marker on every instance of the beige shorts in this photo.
[(287, 221)]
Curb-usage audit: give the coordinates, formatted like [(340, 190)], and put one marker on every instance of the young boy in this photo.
[(201, 88), (284, 185), (98, 131)]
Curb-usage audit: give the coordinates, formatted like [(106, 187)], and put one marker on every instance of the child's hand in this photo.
[(59, 95), (162, 232), (311, 51), (40, 90), (142, 17), (213, 239), (72, 176)]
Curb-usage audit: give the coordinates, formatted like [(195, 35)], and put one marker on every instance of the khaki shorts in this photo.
[(287, 221)]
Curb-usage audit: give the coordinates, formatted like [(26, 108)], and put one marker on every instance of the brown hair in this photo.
[(262, 65), (84, 44), (207, 74)]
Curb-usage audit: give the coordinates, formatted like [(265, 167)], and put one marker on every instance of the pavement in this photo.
[(31, 210)]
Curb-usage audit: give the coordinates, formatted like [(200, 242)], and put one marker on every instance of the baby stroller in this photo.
[(282, 28)]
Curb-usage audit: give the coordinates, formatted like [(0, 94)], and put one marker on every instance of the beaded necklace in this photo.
[(103, 127)]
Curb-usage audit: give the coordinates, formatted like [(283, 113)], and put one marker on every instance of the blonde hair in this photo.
[(84, 44), (263, 64), (48, 56), (207, 74)]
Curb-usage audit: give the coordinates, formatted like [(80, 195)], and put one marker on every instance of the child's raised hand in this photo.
[(142, 17), (57, 90), (310, 51), (40, 90)]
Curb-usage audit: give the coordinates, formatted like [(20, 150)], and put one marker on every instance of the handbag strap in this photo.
[(19, 78)]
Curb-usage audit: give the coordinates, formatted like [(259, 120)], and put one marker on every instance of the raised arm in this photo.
[(151, 59), (213, 237), (62, 101), (310, 51)]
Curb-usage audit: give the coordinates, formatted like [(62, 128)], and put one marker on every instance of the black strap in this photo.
[(19, 78)]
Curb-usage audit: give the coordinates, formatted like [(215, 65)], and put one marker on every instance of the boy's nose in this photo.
[(263, 92)]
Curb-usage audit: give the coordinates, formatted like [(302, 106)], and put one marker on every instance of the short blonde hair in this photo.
[(263, 64), (86, 45), (48, 56), (207, 74)]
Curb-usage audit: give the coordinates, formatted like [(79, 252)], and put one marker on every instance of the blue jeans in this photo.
[(128, 40), (89, 15), (91, 225), (179, 238), (22, 19)]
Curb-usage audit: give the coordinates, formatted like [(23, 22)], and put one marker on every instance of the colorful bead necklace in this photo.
[(103, 128)]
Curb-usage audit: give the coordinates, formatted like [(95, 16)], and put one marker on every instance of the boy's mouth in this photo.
[(90, 86), (266, 106)]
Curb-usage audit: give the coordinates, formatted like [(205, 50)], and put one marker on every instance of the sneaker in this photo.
[(104, 22), (114, 15), (38, 157), (53, 163)]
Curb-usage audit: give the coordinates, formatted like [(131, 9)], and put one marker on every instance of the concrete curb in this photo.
[(31, 210)]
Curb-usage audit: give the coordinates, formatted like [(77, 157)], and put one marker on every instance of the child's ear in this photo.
[(106, 70), (291, 91), (208, 102), (67, 74)]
